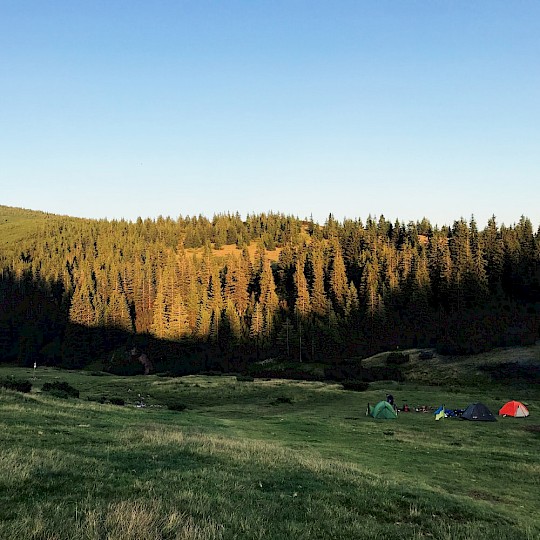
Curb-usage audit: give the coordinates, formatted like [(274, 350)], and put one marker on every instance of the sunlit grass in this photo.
[(239, 464)]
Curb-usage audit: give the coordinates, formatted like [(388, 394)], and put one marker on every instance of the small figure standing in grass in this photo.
[(390, 399)]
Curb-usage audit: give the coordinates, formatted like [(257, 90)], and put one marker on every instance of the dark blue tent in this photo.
[(478, 411)]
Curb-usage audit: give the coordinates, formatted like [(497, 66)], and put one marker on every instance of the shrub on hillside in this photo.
[(356, 386), (19, 385), (397, 359), (97, 399), (244, 378), (283, 371), (425, 355), (387, 373), (281, 400), (60, 389), (176, 406), (117, 401)]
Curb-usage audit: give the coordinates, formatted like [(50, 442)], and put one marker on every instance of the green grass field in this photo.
[(264, 459)]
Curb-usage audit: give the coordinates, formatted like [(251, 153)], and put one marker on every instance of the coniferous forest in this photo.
[(194, 294)]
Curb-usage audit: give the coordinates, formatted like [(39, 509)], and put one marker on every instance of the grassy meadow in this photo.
[(263, 459)]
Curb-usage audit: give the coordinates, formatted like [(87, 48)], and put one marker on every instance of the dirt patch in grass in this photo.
[(535, 428), (484, 496)]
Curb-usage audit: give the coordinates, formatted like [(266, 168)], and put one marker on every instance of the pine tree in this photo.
[(477, 286), (440, 268), (235, 324), (494, 249), (178, 319), (81, 310), (268, 297), (319, 301), (257, 326), (467, 286), (338, 277), (370, 288), (160, 321), (302, 304), (117, 313), (191, 294), (351, 302)]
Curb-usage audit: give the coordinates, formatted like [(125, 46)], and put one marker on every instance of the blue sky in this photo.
[(146, 108)]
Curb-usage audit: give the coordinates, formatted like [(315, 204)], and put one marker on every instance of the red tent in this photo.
[(514, 408)]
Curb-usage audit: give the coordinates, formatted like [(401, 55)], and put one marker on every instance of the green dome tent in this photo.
[(383, 409)]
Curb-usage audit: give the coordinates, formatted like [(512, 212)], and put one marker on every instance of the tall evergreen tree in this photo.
[(303, 302), (338, 277), (319, 301)]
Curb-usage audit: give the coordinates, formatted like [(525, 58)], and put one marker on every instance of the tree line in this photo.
[(74, 290)]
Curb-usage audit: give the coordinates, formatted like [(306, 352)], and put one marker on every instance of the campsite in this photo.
[(216, 456), (269, 270)]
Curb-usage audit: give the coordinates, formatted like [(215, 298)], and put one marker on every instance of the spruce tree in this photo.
[(338, 277), (302, 302), (319, 301)]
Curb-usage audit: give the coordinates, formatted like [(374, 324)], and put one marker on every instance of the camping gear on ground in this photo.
[(383, 409), (514, 408), (478, 411), (443, 412)]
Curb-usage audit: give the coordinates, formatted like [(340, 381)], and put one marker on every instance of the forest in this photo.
[(194, 294)]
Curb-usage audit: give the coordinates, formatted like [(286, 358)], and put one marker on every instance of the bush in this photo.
[(386, 373), (60, 389), (425, 355), (356, 386), (19, 385), (97, 399), (62, 394), (244, 378), (176, 406), (117, 401), (280, 400), (396, 358)]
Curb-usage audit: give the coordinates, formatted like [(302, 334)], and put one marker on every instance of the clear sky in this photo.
[(127, 108)]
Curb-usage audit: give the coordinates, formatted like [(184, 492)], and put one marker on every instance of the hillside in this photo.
[(195, 294), (515, 366), (17, 224)]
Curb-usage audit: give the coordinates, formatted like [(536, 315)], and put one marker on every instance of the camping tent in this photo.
[(478, 411), (514, 408), (383, 409)]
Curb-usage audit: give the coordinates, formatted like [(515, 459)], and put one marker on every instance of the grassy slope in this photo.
[(18, 223), (237, 465)]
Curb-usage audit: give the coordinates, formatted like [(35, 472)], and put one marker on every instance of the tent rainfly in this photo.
[(514, 408)]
